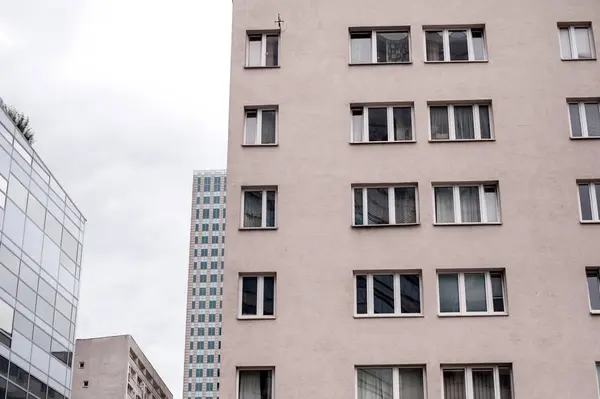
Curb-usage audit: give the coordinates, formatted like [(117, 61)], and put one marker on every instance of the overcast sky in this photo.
[(127, 98)]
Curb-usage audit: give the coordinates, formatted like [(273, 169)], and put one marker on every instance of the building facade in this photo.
[(205, 285), (416, 194), (115, 367), (41, 240)]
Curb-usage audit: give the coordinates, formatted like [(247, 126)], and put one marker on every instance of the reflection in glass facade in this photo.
[(41, 235), (205, 286)]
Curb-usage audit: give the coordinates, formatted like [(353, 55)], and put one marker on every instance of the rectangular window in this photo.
[(467, 44), (593, 280), (258, 208), (589, 202), (262, 50), (468, 293), (260, 126), (391, 382), (380, 47), (257, 296), (460, 122), (381, 124), (393, 293), (255, 383), (585, 118), (477, 382), (576, 42), (464, 204), (380, 206)]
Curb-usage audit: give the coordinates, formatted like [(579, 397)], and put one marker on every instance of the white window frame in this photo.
[(263, 220), (456, 203), (258, 138), (446, 43), (573, 41), (374, 45), (593, 202), (452, 121), (390, 123), (240, 369), (582, 118), (468, 371), (595, 270), (263, 48), (391, 205), (260, 295), (397, 294), (395, 377), (462, 297)]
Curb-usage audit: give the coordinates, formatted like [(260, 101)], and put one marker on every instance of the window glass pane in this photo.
[(269, 296), (272, 56), (3, 382), (392, 47), (483, 384), (18, 375), (478, 45), (497, 291), (361, 294), (9, 281), (454, 384), (597, 197), (14, 223), (26, 296), (491, 203), (440, 129), (448, 293), (270, 208), (252, 208), (251, 127), (458, 45), (358, 206), (469, 204), (17, 192), (575, 120), (592, 116), (582, 38), (484, 122), (406, 205), (360, 48), (41, 339), (411, 383), (6, 322), (9, 259), (375, 383), (565, 44), (410, 297), (69, 244), (505, 383), (33, 239), (249, 292), (44, 311), (402, 123), (383, 294), (254, 50), (444, 204), (14, 392), (268, 126), (255, 384), (357, 124), (463, 120), (378, 128), (593, 289), (378, 206), (22, 324), (37, 387), (585, 202), (434, 46), (475, 292)]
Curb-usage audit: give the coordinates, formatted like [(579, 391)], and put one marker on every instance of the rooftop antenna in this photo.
[(279, 21)]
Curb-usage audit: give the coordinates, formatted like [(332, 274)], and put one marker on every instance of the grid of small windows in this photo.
[(205, 286), (40, 265)]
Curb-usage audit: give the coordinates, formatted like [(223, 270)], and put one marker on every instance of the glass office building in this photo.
[(41, 235), (205, 286)]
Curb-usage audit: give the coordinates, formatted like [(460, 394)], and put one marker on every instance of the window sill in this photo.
[(458, 62), (261, 67), (390, 316), (256, 317), (256, 228), (359, 64), (579, 59), (368, 226), (589, 221), (585, 138), (462, 140), (382, 142), (261, 145), (469, 224), (443, 315)]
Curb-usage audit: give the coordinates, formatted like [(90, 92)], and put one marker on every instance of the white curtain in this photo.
[(491, 203), (378, 210), (406, 211), (469, 204), (250, 385), (254, 52), (402, 123), (454, 384), (582, 38), (375, 384), (360, 49), (444, 205), (483, 384), (565, 44), (463, 120), (251, 127), (253, 209), (357, 125), (434, 46), (411, 384), (439, 123), (592, 116)]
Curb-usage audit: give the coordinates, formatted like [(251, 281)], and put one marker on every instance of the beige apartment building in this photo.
[(115, 368), (416, 194)]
